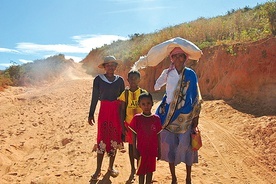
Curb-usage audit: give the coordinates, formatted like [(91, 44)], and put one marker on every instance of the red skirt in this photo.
[(128, 134), (109, 127)]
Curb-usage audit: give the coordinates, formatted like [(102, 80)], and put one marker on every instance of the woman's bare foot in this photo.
[(188, 181), (113, 172), (132, 176), (95, 176), (174, 180)]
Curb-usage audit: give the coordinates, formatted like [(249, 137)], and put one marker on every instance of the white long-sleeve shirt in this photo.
[(170, 79)]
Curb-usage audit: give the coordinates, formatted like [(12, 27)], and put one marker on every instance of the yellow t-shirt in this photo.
[(132, 107)]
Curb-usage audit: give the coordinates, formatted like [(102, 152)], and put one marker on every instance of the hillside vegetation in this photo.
[(242, 25), (237, 26), (238, 62)]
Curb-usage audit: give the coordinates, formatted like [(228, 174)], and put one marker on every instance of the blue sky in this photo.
[(37, 29)]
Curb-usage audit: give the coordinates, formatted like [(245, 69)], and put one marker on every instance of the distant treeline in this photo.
[(35, 73)]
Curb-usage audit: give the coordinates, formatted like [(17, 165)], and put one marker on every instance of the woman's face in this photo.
[(110, 67), (178, 59)]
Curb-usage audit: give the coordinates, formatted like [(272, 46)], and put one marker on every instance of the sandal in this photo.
[(95, 147), (131, 178), (95, 177), (114, 173)]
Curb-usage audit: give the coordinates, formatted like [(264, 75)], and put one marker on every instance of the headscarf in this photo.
[(176, 50)]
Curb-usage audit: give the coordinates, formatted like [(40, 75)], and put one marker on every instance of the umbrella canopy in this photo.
[(159, 52)]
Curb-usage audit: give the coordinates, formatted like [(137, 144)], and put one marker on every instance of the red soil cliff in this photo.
[(243, 73)]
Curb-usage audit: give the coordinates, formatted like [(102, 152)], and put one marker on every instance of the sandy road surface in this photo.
[(45, 138)]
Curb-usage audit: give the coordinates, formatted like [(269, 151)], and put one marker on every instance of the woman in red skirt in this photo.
[(106, 89)]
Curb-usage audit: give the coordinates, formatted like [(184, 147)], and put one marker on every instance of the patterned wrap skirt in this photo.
[(176, 148), (109, 127)]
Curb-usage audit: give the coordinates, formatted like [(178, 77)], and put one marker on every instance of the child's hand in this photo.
[(136, 154), (125, 130), (91, 120), (195, 122), (159, 154)]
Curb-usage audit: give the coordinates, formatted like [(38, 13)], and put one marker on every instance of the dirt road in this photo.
[(45, 138)]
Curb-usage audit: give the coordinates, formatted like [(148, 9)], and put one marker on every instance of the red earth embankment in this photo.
[(243, 74)]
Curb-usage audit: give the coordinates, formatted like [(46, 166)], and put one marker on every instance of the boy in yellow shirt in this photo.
[(129, 108)]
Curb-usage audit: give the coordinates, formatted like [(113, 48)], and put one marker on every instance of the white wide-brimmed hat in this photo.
[(109, 59)]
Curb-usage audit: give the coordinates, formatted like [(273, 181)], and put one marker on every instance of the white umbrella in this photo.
[(159, 52)]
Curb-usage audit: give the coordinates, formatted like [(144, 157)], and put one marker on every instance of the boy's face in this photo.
[(146, 104), (133, 80)]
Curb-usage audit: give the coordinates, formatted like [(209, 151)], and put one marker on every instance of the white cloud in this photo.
[(30, 48), (24, 61), (93, 41), (81, 46), (8, 50), (84, 44), (76, 59), (5, 64)]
